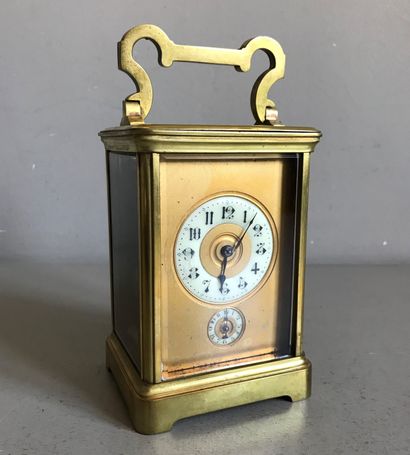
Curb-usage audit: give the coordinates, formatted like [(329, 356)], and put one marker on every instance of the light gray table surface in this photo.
[(56, 396)]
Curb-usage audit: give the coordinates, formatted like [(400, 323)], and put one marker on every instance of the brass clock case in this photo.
[(166, 368), (155, 400)]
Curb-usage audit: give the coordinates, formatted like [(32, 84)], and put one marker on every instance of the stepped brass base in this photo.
[(154, 408)]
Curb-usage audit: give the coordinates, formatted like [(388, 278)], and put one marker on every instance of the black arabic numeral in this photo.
[(206, 283), (193, 273), (257, 229), (242, 283), (255, 268), (194, 233), (209, 217), (188, 253), (225, 290), (260, 248), (227, 212)]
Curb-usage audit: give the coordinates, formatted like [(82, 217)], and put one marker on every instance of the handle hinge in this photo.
[(132, 113)]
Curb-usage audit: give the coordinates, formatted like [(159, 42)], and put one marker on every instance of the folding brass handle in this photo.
[(137, 106)]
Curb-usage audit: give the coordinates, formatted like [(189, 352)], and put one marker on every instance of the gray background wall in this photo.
[(347, 73)]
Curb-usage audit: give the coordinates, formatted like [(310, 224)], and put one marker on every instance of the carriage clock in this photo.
[(207, 248)]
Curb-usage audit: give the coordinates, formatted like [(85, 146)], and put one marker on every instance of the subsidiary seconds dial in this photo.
[(225, 249)]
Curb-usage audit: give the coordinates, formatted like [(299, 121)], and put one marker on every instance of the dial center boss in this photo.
[(217, 243)]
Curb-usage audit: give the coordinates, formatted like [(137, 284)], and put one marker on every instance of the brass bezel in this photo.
[(275, 253), (242, 331)]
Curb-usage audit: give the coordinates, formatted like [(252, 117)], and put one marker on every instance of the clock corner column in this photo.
[(300, 265), (150, 267)]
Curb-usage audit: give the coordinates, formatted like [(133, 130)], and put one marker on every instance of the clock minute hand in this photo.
[(239, 241)]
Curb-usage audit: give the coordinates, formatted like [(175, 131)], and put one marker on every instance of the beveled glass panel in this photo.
[(264, 315), (125, 251)]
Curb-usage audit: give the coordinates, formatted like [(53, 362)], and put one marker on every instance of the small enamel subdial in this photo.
[(224, 249), (226, 326)]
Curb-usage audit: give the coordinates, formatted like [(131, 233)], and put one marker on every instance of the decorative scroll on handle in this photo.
[(137, 106)]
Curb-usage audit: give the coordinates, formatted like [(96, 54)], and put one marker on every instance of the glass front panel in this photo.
[(227, 275), (125, 250)]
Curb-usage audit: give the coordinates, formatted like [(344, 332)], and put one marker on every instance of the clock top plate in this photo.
[(260, 139)]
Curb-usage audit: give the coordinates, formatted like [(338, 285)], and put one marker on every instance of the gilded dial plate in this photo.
[(224, 249)]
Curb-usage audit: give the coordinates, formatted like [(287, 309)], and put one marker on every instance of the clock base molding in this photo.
[(154, 408)]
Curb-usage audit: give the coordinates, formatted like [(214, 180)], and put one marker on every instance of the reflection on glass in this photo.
[(267, 329), (124, 218)]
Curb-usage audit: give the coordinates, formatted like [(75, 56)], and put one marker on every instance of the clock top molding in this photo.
[(194, 139)]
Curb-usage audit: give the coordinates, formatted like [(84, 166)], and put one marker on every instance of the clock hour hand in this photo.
[(222, 276), (226, 251), (239, 241)]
